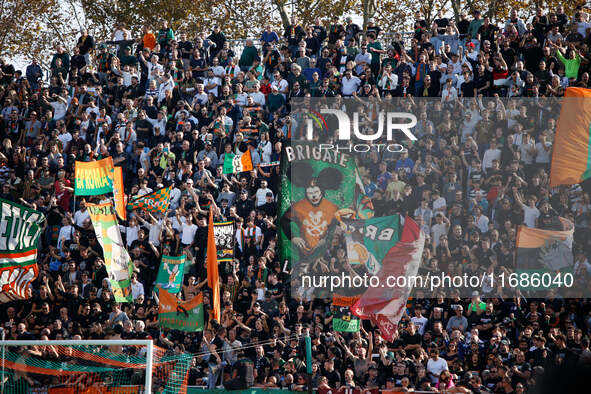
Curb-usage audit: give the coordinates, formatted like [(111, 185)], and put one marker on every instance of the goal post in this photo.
[(100, 365)]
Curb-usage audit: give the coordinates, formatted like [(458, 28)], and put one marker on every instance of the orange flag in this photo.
[(118, 192), (213, 277), (571, 159)]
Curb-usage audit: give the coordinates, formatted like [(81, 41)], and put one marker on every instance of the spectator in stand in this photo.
[(169, 112)]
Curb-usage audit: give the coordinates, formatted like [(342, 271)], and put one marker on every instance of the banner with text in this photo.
[(19, 232), (117, 260), (93, 177)]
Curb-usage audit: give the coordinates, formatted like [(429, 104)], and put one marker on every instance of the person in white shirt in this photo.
[(81, 215), (389, 80), (154, 68), (256, 96), (65, 234), (166, 84), (200, 94), (131, 231), (137, 288), (435, 365), (261, 194), (60, 107), (419, 320), (188, 230), (527, 149), (480, 220), (492, 153), (212, 83), (159, 122), (240, 96), (65, 137), (218, 70), (449, 94), (582, 24), (530, 212), (543, 150), (350, 84), (439, 203), (144, 189), (441, 227), (280, 83), (92, 108)]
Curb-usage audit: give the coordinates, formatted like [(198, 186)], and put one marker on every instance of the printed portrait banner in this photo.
[(317, 186), (19, 232), (224, 241), (117, 260), (170, 274), (93, 177), (180, 315)]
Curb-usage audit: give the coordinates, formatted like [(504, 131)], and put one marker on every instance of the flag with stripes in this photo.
[(385, 305), (21, 227), (237, 163), (155, 202)]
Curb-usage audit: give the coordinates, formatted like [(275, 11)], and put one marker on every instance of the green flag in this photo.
[(369, 240), (317, 188), (343, 320), (170, 274), (180, 315), (20, 231)]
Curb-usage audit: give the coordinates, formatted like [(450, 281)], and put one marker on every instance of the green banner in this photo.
[(344, 321), (94, 177), (170, 274), (19, 233), (317, 188), (369, 240)]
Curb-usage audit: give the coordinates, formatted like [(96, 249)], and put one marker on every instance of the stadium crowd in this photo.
[(168, 106)]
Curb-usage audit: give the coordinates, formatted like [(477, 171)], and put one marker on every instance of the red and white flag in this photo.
[(384, 306)]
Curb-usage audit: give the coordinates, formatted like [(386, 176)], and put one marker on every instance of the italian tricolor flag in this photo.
[(237, 163)]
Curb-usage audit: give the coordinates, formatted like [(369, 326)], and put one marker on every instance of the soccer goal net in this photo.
[(92, 366)]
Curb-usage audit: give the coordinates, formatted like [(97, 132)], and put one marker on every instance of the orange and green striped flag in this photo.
[(155, 202), (571, 157)]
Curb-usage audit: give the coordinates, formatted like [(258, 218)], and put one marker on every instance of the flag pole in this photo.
[(308, 342)]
